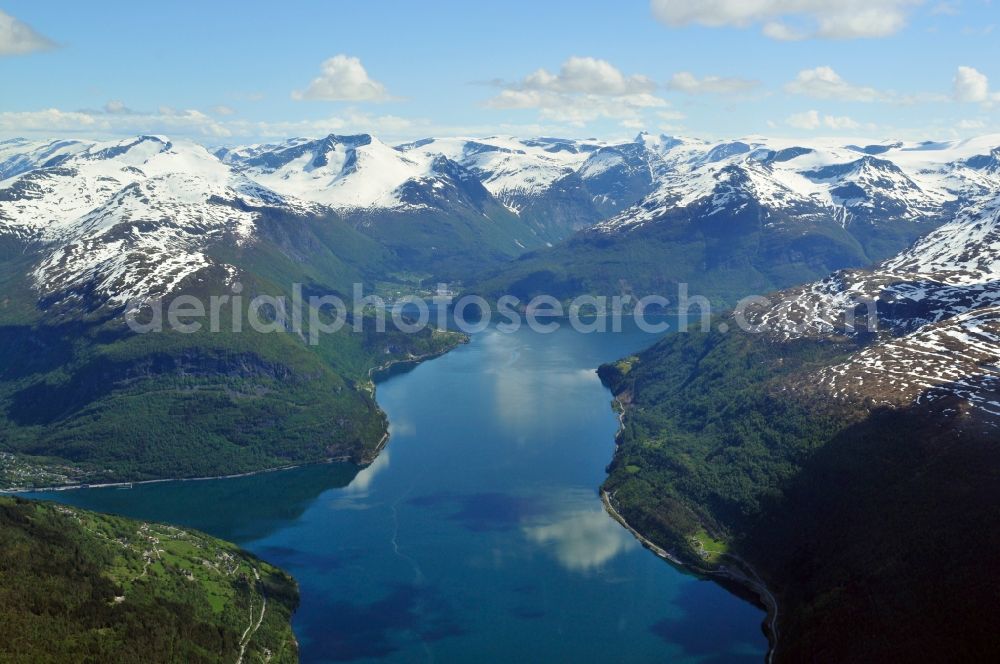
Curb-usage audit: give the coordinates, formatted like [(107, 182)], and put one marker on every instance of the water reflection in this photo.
[(407, 615), (478, 533), (363, 480), (582, 541), (532, 383), (240, 509), (481, 512)]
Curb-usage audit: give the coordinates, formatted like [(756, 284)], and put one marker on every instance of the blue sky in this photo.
[(227, 72)]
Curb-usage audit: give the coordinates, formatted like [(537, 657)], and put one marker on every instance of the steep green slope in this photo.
[(450, 227), (723, 257), (79, 586), (84, 399), (453, 243), (877, 533)]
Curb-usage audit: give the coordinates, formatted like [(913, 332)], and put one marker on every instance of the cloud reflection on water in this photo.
[(525, 399), (363, 480), (583, 540)]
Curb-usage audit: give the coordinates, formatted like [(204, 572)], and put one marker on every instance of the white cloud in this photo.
[(114, 121), (670, 116), (840, 122), (970, 85), (577, 110), (18, 38), (343, 78), (806, 120), (583, 90), (825, 83), (194, 123), (971, 124), (222, 109), (979, 31), (116, 106), (945, 9), (669, 120), (792, 19), (49, 119), (782, 32), (810, 120), (349, 121), (588, 76), (723, 85)]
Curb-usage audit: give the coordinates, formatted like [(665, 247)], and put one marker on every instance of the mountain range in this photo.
[(842, 453), (842, 450), (88, 227), (751, 216), (759, 212)]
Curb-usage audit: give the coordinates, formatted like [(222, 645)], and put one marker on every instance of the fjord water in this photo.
[(478, 534)]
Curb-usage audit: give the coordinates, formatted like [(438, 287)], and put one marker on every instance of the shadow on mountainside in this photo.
[(885, 544)]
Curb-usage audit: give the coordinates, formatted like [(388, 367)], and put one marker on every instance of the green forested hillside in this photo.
[(449, 242), (871, 529), (722, 257), (81, 587), (84, 399)]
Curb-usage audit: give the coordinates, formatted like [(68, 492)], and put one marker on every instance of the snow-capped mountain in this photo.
[(435, 212), (352, 174), (760, 214), (722, 187), (935, 333), (342, 172), (560, 185), (534, 180), (619, 175), (124, 219), (872, 188), (134, 217), (556, 185), (512, 169), (18, 155), (874, 184)]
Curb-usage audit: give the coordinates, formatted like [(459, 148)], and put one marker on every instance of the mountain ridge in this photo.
[(843, 445), (738, 218)]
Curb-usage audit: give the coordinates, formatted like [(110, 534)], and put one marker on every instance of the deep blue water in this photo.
[(478, 534)]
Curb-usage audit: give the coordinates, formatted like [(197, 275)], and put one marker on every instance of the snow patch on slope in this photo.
[(937, 333), (127, 219), (342, 172), (904, 182)]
